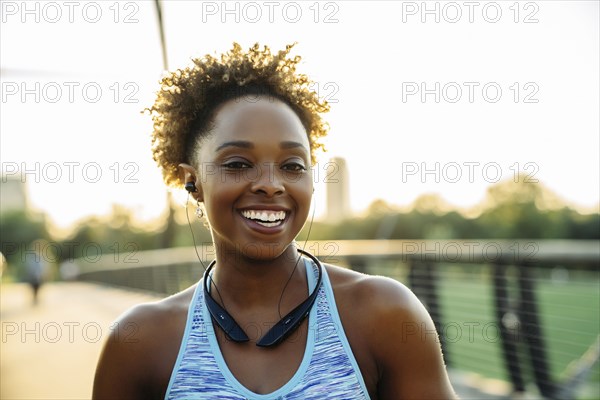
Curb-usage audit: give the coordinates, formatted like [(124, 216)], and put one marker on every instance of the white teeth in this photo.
[(265, 217), (269, 224)]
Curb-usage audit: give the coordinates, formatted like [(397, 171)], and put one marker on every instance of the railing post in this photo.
[(532, 331), (509, 344), (358, 264), (423, 281)]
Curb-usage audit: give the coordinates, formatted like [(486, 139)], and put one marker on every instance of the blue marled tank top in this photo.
[(328, 369)]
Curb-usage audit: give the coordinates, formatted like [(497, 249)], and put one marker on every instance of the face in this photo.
[(253, 174)]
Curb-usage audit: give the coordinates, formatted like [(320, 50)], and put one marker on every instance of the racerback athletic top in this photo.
[(328, 369)]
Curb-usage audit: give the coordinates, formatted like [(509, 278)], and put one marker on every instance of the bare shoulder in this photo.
[(152, 315), (391, 335), (141, 349), (152, 320), (387, 310), (377, 294)]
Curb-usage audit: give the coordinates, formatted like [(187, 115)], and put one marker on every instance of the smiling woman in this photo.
[(239, 132)]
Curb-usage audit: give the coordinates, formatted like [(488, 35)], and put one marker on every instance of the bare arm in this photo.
[(120, 373), (406, 346)]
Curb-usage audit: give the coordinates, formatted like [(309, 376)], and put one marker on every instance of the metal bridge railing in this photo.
[(523, 311)]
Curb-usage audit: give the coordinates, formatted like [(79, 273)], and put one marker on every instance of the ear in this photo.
[(188, 174)]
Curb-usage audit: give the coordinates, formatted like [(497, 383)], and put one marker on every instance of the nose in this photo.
[(268, 181)]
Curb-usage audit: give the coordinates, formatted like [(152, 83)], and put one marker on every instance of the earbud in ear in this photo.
[(190, 187)]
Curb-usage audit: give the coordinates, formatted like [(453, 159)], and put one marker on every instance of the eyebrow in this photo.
[(236, 143), (290, 145), (249, 145)]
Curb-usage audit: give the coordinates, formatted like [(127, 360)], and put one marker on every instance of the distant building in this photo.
[(338, 194), (12, 195)]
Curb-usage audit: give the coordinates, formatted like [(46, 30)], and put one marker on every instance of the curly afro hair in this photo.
[(183, 111)]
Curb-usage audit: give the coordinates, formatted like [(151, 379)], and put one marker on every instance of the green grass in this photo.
[(569, 312), (467, 302), (571, 320)]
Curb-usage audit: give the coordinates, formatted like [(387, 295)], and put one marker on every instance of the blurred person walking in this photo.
[(36, 267)]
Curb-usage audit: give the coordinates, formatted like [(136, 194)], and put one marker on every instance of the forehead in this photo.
[(257, 119)]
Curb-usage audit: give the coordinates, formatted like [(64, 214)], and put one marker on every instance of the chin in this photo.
[(264, 251)]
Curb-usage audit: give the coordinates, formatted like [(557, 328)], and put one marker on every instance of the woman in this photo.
[(240, 132)]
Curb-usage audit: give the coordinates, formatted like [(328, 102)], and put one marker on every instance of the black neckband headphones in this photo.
[(282, 329)]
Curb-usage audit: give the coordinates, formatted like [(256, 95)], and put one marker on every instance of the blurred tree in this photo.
[(512, 209), (17, 230), (517, 208), (431, 203)]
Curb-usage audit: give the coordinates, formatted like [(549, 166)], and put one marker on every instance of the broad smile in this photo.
[(266, 218), (265, 221)]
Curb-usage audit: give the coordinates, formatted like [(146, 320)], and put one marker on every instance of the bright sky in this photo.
[(516, 84)]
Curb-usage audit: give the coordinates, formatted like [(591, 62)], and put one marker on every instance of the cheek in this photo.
[(303, 196), (218, 197)]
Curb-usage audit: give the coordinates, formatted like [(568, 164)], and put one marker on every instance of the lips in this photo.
[(265, 218)]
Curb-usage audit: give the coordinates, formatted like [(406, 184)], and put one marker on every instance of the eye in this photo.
[(237, 165), (292, 166)]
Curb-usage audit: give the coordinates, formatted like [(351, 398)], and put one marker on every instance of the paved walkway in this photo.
[(49, 351)]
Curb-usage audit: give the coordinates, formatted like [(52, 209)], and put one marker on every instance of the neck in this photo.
[(244, 282)]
